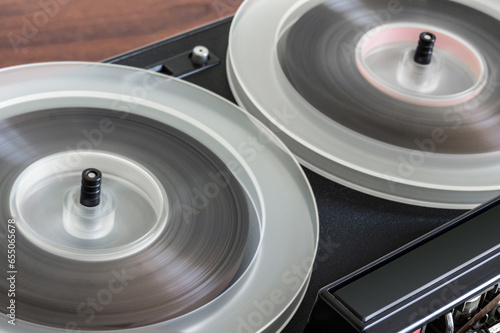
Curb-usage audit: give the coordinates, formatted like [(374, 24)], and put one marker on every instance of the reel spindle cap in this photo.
[(425, 48), (90, 194)]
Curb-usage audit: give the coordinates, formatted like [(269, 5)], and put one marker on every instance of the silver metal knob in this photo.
[(200, 55)]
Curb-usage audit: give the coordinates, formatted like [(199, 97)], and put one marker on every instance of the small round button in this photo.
[(200, 56)]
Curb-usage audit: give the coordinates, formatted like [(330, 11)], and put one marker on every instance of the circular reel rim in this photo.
[(183, 323), (251, 98)]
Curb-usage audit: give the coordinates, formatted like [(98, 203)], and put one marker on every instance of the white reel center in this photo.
[(456, 74), (132, 212)]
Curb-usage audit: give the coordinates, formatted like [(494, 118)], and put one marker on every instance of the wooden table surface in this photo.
[(94, 30)]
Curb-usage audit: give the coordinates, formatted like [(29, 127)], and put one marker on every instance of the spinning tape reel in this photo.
[(343, 92), (202, 210)]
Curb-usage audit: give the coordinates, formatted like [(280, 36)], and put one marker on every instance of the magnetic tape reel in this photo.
[(343, 91), (186, 209)]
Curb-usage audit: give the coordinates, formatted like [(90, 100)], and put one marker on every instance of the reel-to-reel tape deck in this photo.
[(193, 215)]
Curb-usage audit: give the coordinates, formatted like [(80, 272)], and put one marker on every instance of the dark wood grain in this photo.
[(93, 30)]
